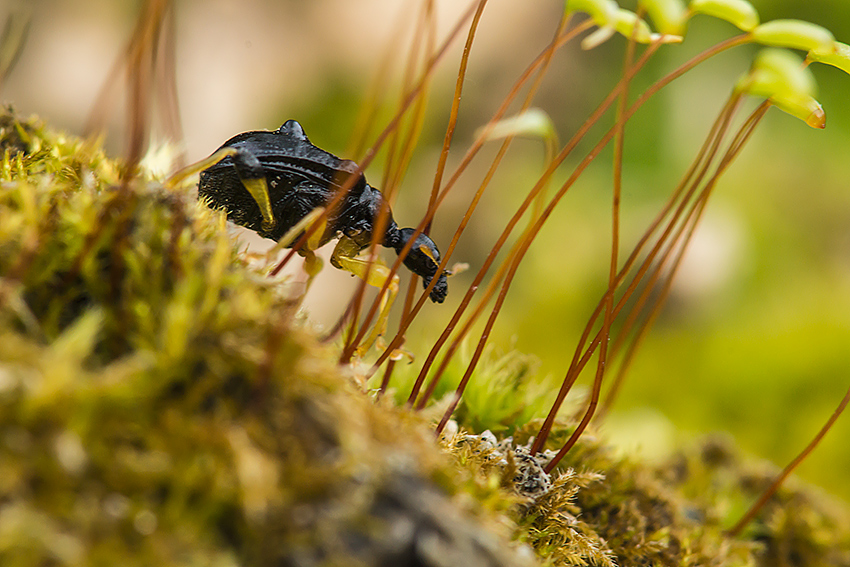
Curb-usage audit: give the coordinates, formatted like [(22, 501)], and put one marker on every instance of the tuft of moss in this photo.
[(161, 405), (604, 510), (640, 518), (799, 525)]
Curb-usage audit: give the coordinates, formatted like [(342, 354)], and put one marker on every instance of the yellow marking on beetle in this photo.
[(427, 251), (287, 239), (259, 190)]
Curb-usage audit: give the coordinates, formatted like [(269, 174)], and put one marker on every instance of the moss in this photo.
[(799, 525), (604, 510), (160, 403)]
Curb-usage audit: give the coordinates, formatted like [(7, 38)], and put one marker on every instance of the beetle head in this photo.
[(423, 259)]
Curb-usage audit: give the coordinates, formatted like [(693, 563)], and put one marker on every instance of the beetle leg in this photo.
[(312, 263), (374, 274), (292, 234)]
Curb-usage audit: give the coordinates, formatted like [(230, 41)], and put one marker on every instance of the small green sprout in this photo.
[(611, 19), (739, 13), (795, 34), (669, 16), (624, 22), (601, 11), (629, 25), (780, 76), (779, 71), (805, 108), (533, 123), (840, 57)]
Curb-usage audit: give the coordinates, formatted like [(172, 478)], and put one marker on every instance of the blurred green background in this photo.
[(755, 339)]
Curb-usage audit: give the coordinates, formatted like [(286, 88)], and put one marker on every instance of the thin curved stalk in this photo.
[(566, 385), (545, 59), (348, 351), (391, 126), (734, 149), (471, 153), (735, 530)]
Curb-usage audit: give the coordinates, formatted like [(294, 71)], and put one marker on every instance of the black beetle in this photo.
[(273, 179)]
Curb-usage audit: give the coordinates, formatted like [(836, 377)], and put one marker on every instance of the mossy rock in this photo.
[(163, 403)]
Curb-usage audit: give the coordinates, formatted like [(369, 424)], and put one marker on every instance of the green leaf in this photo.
[(795, 34), (739, 13)]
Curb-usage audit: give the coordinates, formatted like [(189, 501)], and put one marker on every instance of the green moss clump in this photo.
[(641, 519), (799, 525), (160, 404), (603, 510)]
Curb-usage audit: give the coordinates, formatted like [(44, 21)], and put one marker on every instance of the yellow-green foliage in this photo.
[(159, 405), (604, 510), (508, 393), (550, 523), (640, 519), (798, 526)]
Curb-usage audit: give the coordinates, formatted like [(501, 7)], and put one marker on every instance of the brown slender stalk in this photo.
[(532, 233), (391, 126), (704, 157), (348, 351), (399, 337), (396, 341), (167, 81), (414, 129), (578, 362), (393, 172), (689, 226), (467, 326), (641, 100), (388, 372), (735, 530), (378, 88), (500, 272), (608, 315), (544, 59)]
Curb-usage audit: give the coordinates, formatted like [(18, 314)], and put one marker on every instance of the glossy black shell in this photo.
[(300, 178)]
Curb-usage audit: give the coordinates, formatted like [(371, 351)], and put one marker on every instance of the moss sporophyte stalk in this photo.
[(165, 400)]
